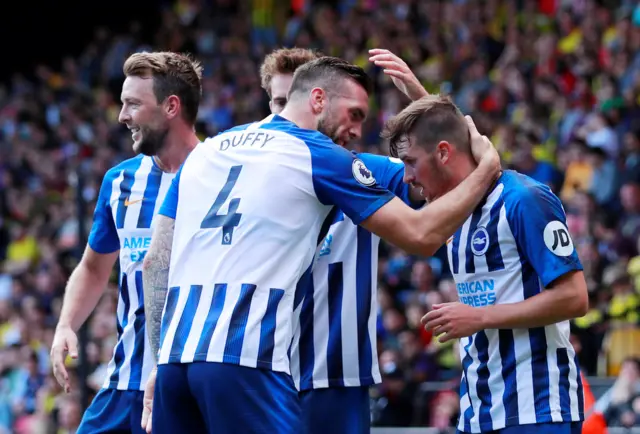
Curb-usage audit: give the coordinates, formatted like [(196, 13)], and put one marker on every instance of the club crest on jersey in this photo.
[(480, 241), (362, 174)]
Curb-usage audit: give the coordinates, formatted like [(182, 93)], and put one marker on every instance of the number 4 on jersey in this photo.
[(229, 220)]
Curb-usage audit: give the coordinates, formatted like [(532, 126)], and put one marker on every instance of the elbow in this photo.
[(577, 304), (581, 302), (147, 263), (572, 295), (428, 244)]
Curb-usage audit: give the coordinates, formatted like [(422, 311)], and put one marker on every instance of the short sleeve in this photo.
[(169, 206), (539, 225), (389, 173), (103, 237), (343, 180)]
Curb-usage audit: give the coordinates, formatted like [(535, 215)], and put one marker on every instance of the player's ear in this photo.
[(443, 151), (317, 99), (171, 106)]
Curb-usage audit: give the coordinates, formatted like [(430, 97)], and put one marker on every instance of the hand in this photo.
[(482, 149), (399, 72), (453, 320), (64, 341), (147, 401)]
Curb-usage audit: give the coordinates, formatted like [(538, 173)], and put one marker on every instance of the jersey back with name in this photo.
[(248, 207), (130, 196), (334, 342), (514, 245)]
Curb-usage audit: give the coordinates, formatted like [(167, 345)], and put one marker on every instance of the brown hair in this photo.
[(328, 72), (284, 61), (173, 74), (431, 119)]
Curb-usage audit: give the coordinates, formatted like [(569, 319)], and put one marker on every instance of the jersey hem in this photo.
[(167, 214), (102, 251), (558, 273), (233, 360), (515, 421), (132, 387), (371, 209), (348, 382)]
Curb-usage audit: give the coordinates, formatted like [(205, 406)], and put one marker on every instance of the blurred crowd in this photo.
[(554, 83)]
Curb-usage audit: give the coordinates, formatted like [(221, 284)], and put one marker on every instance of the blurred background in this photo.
[(555, 84)]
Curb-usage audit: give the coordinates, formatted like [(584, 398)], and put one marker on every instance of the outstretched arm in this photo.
[(155, 278)]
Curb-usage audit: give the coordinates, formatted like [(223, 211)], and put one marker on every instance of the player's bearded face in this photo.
[(149, 140), (143, 115), (335, 124), (329, 126)]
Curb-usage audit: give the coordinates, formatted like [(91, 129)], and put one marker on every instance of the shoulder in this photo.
[(312, 138), (380, 162), (322, 149), (521, 192), (131, 164)]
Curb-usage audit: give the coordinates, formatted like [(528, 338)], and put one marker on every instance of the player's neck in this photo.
[(462, 168), (178, 144), (294, 113)]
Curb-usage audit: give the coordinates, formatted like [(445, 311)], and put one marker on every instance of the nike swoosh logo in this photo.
[(127, 202)]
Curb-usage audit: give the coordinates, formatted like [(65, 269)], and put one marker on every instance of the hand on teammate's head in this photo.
[(482, 149)]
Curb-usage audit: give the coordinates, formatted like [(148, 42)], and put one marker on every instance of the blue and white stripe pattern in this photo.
[(513, 246), (130, 197), (249, 207), (335, 343), (335, 337)]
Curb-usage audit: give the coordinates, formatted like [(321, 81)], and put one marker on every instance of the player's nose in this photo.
[(408, 177), (355, 132), (123, 116)]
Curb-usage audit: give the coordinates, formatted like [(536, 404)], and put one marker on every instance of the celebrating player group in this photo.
[(248, 261)]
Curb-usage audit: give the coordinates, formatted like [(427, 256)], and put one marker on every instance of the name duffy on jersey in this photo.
[(252, 139)]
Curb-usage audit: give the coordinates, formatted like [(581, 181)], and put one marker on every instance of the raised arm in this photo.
[(401, 75)]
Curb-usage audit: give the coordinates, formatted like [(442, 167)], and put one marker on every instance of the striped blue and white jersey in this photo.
[(249, 206), (514, 245), (130, 196), (334, 341)]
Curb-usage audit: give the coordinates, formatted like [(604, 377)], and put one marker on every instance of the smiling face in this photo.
[(143, 115)]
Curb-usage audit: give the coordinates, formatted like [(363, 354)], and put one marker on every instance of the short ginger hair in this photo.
[(173, 74), (284, 61), (430, 120)]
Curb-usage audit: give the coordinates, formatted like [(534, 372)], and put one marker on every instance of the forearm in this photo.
[(440, 219), (548, 307), (155, 280), (81, 297)]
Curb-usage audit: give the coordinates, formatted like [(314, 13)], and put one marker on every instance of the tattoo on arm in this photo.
[(155, 279)]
